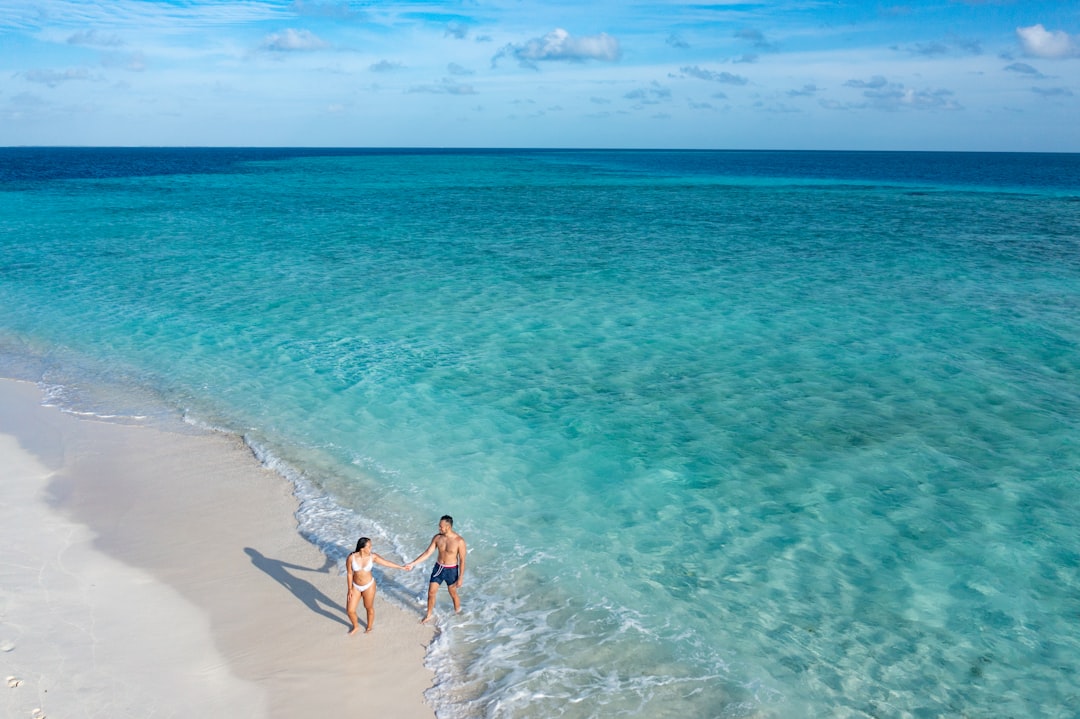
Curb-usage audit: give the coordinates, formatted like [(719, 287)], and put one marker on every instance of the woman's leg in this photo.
[(351, 601), (369, 605)]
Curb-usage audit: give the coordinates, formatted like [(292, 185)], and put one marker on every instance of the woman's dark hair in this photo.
[(362, 542)]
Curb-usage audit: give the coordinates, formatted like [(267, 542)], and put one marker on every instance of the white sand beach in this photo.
[(152, 574)]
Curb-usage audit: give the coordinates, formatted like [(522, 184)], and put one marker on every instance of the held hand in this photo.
[(408, 567)]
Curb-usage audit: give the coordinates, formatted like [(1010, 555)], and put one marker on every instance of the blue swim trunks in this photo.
[(439, 573)]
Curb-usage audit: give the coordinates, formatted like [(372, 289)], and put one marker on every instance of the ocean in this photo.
[(730, 434)]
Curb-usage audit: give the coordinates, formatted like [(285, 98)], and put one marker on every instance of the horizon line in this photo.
[(470, 148)]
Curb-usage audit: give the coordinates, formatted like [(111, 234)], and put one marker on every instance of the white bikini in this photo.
[(363, 568)]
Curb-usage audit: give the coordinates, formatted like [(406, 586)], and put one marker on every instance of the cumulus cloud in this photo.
[(880, 94), (22, 107), (336, 10), (677, 41), (972, 47), (94, 39), (940, 49), (52, 78), (877, 81), (456, 30), (805, 91), (711, 75), (930, 49), (776, 107), (1052, 91), (651, 95), (1024, 69), (134, 62), (561, 45), (455, 69), (290, 40), (385, 66), (1037, 41), (448, 86), (755, 37)]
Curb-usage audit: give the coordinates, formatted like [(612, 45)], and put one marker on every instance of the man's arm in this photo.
[(425, 555), (461, 562)]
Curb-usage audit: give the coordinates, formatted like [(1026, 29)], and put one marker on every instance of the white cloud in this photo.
[(133, 62), (448, 86), (755, 37), (1024, 69), (874, 83), (1040, 42), (561, 45), (937, 48), (290, 40), (1052, 91), (52, 78), (335, 10), (385, 66), (723, 77), (95, 39), (806, 91), (881, 94), (650, 95), (23, 107)]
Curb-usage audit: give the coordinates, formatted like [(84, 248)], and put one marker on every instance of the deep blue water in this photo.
[(730, 433)]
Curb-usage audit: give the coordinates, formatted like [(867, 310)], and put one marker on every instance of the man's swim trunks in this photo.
[(439, 573)]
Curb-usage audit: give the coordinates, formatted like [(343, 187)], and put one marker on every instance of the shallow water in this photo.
[(729, 434)]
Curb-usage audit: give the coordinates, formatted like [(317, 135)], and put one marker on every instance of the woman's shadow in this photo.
[(303, 590)]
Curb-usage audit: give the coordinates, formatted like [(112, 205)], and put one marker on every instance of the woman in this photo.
[(361, 583)]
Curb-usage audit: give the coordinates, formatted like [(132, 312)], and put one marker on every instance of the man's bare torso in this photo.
[(448, 546)]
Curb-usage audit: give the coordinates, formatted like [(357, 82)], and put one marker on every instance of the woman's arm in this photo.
[(386, 563)]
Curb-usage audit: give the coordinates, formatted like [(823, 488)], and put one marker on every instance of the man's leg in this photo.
[(432, 590), (453, 595)]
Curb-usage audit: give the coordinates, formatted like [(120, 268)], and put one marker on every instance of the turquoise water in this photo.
[(729, 434)]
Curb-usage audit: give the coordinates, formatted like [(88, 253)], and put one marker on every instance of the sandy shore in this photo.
[(152, 574)]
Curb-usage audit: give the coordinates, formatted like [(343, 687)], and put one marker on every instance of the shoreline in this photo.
[(158, 573)]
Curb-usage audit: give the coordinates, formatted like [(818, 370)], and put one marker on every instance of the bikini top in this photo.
[(364, 568)]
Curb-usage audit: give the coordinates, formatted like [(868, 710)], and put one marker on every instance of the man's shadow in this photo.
[(303, 590)]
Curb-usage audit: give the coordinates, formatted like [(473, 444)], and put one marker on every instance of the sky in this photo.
[(996, 75)]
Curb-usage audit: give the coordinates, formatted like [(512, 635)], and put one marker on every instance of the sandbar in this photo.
[(148, 573)]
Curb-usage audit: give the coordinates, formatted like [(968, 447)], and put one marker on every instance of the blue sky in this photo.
[(787, 74)]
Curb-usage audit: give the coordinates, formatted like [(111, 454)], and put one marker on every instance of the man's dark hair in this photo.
[(448, 519)]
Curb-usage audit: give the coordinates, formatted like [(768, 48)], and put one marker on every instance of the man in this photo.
[(449, 566)]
